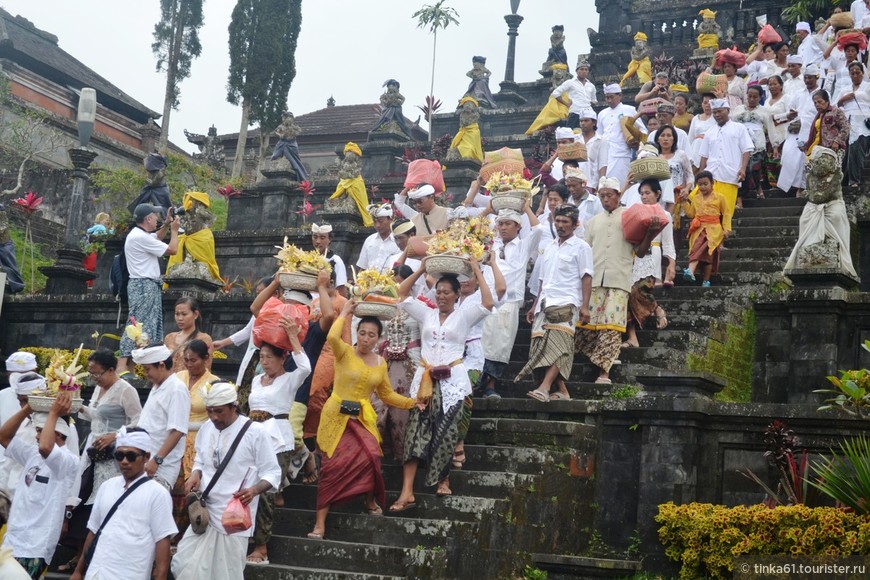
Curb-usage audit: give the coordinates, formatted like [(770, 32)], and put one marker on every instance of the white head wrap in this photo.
[(647, 150), (151, 355), (509, 215), (589, 114), (805, 26), (380, 210), (61, 427), (574, 172), (720, 104), (137, 439), (21, 362), (219, 394), (564, 133), (26, 383), (794, 59), (298, 296), (324, 229), (612, 89), (812, 70), (609, 183), (422, 191)]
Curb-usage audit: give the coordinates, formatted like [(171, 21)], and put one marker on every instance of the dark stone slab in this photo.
[(682, 384)]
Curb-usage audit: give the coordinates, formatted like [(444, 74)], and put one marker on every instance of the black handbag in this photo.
[(351, 408)]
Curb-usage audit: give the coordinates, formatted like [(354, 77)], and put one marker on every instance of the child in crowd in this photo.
[(711, 224)]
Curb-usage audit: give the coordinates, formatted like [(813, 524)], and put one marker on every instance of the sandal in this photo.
[(257, 559), (603, 381), (668, 284), (458, 458), (627, 344), (539, 395), (399, 506), (375, 511), (443, 490), (69, 566), (557, 396)]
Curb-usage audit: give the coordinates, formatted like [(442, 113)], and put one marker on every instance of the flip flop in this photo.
[(557, 396), (375, 511), (627, 344), (668, 284), (400, 507), (442, 493), (314, 536), (540, 396), (603, 381), (259, 561)]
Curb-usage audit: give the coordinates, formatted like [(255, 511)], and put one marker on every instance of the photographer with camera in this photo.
[(659, 87), (143, 249)]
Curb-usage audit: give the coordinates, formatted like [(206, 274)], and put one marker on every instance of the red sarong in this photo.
[(353, 470)]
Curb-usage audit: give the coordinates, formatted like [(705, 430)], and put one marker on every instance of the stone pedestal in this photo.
[(382, 157), (270, 204), (198, 287), (813, 278), (67, 275)]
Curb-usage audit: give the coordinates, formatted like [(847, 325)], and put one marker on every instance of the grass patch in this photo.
[(626, 392), (731, 360), (22, 256), (219, 208)]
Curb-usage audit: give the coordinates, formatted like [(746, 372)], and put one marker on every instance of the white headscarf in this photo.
[(151, 355), (21, 362), (219, 394), (61, 427), (609, 183), (421, 192), (324, 229), (137, 439)]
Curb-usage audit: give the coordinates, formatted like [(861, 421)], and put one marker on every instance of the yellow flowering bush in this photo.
[(44, 355), (706, 538), (292, 259), (464, 237), (371, 281)]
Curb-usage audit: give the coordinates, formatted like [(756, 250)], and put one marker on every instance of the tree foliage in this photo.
[(435, 17), (176, 44), (808, 10)]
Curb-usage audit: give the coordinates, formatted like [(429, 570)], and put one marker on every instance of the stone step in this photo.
[(669, 337), (744, 242), (359, 558), (280, 572), (563, 567), (766, 220), (752, 232), (745, 254), (467, 482), (525, 407), (407, 532), (527, 460), (522, 432)]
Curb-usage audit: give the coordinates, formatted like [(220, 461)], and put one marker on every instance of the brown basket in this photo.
[(651, 167), (448, 264), (505, 160), (378, 310), (842, 20), (571, 152), (515, 200), (297, 281)]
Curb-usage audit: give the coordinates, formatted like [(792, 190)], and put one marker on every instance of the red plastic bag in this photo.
[(636, 220), (267, 326), (423, 171), (237, 517), (856, 38), (768, 35), (732, 56)]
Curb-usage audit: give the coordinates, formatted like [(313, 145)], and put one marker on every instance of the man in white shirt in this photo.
[(859, 10), (429, 217), (792, 78), (17, 364), (321, 237), (725, 151), (665, 114), (595, 165), (139, 531), (587, 204), (143, 249), (512, 255), (581, 91), (253, 466), (49, 474), (803, 110), (809, 50), (563, 299), (379, 246), (165, 415), (610, 128)]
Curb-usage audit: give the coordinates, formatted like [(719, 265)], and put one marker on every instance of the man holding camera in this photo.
[(658, 87), (143, 249)]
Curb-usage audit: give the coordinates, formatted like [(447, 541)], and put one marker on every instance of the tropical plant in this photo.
[(176, 44), (430, 107), (852, 393), (29, 204), (846, 477), (434, 17), (808, 10)]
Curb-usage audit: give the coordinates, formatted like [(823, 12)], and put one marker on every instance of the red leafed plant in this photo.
[(307, 187), (29, 204), (306, 209), (432, 105), (229, 191)]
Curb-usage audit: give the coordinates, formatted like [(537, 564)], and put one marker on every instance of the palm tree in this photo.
[(434, 17), (806, 10)]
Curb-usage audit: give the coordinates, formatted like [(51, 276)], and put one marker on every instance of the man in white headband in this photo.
[(429, 217), (129, 544), (553, 165), (379, 246), (587, 204), (166, 414), (802, 114), (811, 46), (50, 472), (17, 364), (321, 238), (596, 149), (792, 77), (253, 465), (725, 151), (619, 151)]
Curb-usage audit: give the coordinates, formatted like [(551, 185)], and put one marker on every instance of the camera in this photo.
[(177, 211)]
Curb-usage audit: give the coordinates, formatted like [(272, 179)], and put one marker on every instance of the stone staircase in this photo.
[(526, 495)]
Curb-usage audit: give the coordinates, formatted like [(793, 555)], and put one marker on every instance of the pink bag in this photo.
[(422, 171), (768, 35), (732, 56), (267, 326), (237, 517), (636, 220)]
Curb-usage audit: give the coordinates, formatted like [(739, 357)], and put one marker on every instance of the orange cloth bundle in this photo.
[(267, 326), (636, 220), (422, 171), (853, 37)]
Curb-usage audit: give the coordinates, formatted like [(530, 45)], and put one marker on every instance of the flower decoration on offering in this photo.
[(372, 286), (135, 332), (510, 190), (292, 259), (467, 238), (64, 373)]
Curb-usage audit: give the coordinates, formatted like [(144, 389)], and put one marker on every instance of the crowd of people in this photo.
[(156, 482)]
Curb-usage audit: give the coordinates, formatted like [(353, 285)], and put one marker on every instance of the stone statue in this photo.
[(213, 150), (8, 262), (823, 239), (556, 54), (195, 258), (287, 147), (467, 143), (708, 31), (479, 87), (392, 119), (640, 64), (155, 192), (351, 185), (560, 74)]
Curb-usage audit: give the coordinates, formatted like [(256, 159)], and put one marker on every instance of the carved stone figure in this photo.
[(351, 185), (479, 87), (467, 143), (560, 75), (8, 262), (195, 258), (557, 53), (392, 120), (287, 147), (823, 240), (213, 150), (708, 31), (155, 192), (640, 64)]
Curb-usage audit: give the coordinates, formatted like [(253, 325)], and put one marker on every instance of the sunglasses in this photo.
[(130, 456)]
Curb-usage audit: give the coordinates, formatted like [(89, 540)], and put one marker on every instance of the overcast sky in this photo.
[(347, 49)]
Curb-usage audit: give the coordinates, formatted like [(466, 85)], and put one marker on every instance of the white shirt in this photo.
[(38, 510), (596, 159), (859, 11), (127, 543), (562, 271), (9, 405), (792, 85), (277, 399), (802, 102), (697, 130), (724, 146), (143, 251), (515, 263), (167, 408), (856, 110), (238, 338), (582, 94), (376, 253), (589, 208), (610, 128), (632, 194), (255, 452), (441, 344), (339, 267), (810, 51), (682, 138)]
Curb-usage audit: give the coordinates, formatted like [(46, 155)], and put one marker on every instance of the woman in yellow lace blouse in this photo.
[(348, 435)]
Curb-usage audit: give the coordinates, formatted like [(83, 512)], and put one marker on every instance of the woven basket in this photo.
[(43, 404), (515, 200), (842, 20), (710, 83), (297, 281), (376, 309), (650, 167), (447, 264), (571, 152), (505, 160)]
